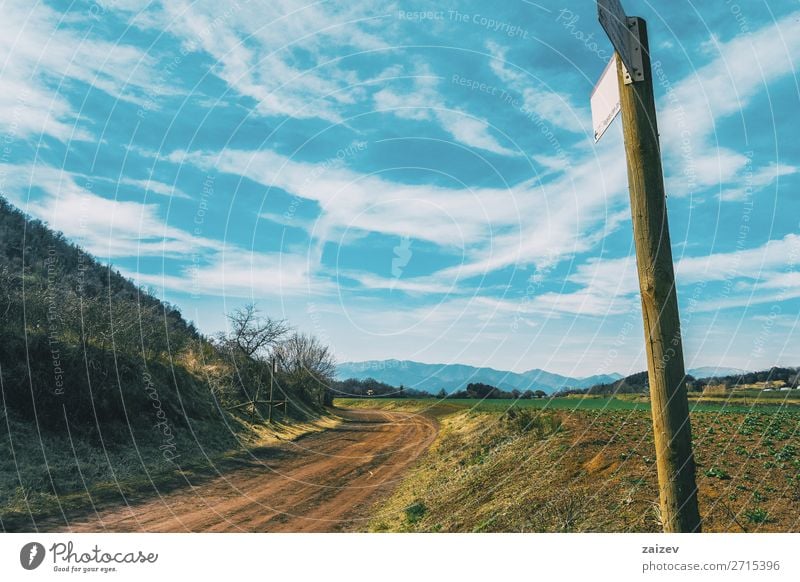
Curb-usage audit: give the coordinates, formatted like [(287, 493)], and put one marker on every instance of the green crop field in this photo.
[(588, 464), (590, 403)]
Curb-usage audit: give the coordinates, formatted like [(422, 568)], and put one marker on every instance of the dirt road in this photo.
[(323, 482)]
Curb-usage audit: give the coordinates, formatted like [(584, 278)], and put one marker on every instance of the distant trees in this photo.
[(638, 383), (635, 383), (782, 376), (354, 388), (480, 390)]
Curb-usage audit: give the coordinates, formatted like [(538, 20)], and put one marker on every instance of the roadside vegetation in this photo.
[(108, 392)]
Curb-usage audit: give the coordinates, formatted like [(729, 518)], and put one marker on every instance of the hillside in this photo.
[(453, 377), (102, 382)]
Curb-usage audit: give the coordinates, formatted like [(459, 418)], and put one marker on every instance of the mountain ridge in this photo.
[(453, 377)]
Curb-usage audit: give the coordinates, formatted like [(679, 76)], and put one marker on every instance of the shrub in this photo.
[(525, 420), (415, 512)]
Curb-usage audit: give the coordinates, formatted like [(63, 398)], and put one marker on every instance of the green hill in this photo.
[(104, 385)]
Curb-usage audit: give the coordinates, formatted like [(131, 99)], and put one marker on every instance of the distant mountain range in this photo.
[(712, 372), (452, 377)]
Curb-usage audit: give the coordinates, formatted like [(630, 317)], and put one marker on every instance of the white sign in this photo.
[(605, 99)]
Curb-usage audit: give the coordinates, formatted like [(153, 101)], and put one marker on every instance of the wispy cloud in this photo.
[(424, 102), (258, 46), (756, 181), (528, 223), (40, 50), (106, 227), (236, 272), (693, 106), (609, 286), (554, 107), (154, 187)]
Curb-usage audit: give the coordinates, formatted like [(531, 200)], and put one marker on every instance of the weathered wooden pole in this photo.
[(665, 367), (272, 367)]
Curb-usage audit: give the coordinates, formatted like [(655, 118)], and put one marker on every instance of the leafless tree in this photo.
[(253, 335), (308, 365), (305, 354)]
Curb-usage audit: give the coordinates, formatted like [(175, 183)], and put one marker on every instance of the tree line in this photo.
[(371, 388), (639, 384), (483, 391)]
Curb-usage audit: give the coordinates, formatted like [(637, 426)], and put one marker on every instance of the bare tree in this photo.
[(305, 354), (308, 364), (253, 335)]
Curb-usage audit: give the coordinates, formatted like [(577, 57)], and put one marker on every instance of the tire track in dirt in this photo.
[(323, 482)]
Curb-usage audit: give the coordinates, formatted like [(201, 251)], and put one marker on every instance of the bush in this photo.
[(415, 512), (525, 420)]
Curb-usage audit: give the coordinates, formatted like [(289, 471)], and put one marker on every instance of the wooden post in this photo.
[(254, 401), (271, 387), (665, 367)]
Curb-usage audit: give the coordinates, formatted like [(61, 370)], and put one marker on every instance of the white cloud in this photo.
[(689, 113), (752, 263), (350, 200), (528, 223), (112, 229), (609, 286), (585, 302), (256, 47), (561, 218), (153, 186), (551, 106), (415, 286), (107, 228), (755, 181), (424, 103), (236, 272), (471, 131), (39, 51)]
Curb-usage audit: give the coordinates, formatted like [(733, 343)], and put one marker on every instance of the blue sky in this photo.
[(415, 180)]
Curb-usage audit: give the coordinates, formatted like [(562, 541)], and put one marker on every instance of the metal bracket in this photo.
[(635, 46), (626, 76)]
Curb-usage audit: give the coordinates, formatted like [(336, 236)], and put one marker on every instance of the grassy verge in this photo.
[(579, 469), (48, 479)]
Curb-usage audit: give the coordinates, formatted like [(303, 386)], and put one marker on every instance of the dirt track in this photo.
[(323, 482)]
